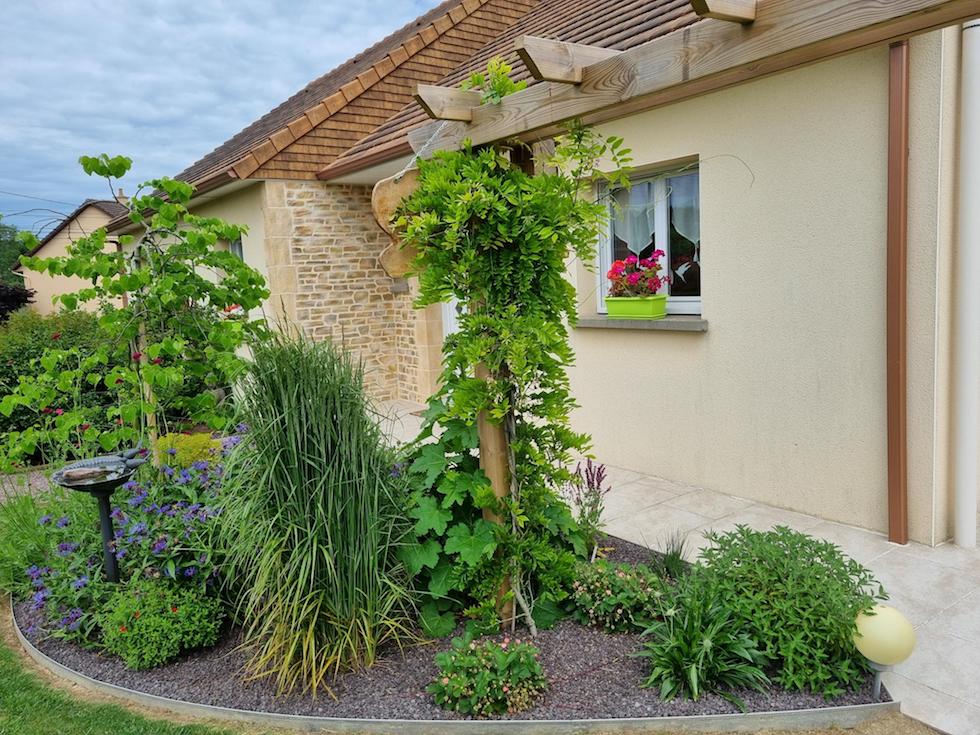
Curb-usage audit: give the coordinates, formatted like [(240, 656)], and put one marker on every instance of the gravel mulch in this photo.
[(591, 675)]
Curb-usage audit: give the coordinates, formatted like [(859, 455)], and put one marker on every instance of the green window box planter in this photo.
[(637, 307)]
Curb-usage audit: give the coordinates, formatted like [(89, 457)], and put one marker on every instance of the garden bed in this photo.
[(591, 676)]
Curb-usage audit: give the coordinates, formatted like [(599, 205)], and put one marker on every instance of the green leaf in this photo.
[(430, 517), (416, 556), (430, 463), (441, 581), (472, 545), (436, 624)]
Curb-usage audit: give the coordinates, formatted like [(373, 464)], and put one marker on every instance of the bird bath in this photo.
[(100, 477)]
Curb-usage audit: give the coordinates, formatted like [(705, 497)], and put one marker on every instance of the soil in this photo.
[(591, 674)]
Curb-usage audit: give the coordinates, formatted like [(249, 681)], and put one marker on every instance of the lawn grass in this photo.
[(29, 707)]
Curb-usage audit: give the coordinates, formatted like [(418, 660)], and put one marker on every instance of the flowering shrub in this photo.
[(488, 678), (150, 622), (617, 597), (162, 527), (586, 495), (633, 276)]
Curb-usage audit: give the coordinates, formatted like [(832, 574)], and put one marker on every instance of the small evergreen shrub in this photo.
[(184, 450), (151, 622), (798, 597), (696, 646), (616, 597), (488, 678)]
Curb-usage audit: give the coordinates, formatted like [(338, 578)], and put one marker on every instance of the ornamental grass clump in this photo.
[(311, 524), (488, 678), (798, 597)]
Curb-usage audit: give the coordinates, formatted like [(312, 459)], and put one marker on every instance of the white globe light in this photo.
[(884, 636)]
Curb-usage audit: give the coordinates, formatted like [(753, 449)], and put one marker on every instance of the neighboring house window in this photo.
[(658, 212), (235, 247)]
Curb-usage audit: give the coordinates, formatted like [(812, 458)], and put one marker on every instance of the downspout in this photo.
[(966, 298), (896, 291)]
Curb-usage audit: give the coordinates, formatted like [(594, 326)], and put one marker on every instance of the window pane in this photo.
[(633, 221), (685, 235), (235, 246)]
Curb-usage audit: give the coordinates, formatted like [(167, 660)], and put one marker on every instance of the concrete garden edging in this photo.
[(844, 717)]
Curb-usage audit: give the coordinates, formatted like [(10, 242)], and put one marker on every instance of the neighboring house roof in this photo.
[(619, 24), (111, 208)]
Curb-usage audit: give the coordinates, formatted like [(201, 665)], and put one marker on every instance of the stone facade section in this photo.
[(322, 247)]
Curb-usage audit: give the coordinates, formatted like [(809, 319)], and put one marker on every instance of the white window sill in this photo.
[(670, 323)]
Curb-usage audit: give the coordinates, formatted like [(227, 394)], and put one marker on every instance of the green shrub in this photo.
[(150, 622), (696, 646), (311, 526), (616, 597), (24, 339), (488, 678), (183, 450), (798, 597)]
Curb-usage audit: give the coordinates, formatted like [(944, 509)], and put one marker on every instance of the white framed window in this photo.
[(659, 212)]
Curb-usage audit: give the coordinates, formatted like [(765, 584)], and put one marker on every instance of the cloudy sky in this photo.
[(160, 82)]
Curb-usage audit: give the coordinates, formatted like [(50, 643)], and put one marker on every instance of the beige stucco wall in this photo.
[(243, 206), (782, 400), (46, 286)]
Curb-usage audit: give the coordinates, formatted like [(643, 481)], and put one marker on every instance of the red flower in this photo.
[(56, 335), (137, 356), (46, 409), (83, 427), (59, 411), (123, 629), (173, 610), (157, 360)]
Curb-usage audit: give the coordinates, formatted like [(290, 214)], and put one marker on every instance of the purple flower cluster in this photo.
[(72, 620), (67, 547)]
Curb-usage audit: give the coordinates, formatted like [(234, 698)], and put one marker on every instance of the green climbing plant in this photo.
[(497, 239)]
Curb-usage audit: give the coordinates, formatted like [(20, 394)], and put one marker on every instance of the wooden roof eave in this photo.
[(707, 56)]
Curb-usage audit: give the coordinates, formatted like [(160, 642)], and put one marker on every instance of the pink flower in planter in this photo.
[(633, 279), (630, 260)]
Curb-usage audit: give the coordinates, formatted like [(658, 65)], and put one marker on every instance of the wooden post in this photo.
[(495, 463)]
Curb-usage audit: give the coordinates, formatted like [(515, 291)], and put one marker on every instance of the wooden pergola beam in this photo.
[(559, 61), (447, 103), (699, 59), (734, 11)]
